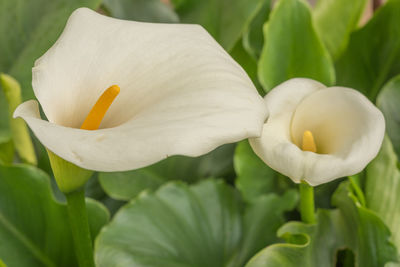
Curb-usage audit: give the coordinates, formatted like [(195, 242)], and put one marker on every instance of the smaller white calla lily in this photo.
[(317, 134), (179, 93)]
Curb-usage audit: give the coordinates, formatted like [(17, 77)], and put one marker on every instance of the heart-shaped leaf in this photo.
[(206, 224)]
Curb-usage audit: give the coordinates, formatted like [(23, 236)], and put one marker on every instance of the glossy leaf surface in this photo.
[(200, 225)]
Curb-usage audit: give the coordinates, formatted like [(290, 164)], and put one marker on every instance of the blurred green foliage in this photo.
[(213, 222)]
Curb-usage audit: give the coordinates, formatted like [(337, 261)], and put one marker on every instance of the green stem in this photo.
[(307, 203), (80, 228)]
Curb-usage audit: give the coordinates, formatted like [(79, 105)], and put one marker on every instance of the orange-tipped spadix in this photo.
[(308, 142), (96, 114)]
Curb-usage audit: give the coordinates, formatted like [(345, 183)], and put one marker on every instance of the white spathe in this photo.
[(181, 93), (348, 131)]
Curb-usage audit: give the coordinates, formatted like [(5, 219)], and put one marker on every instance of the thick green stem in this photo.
[(80, 228), (307, 209)]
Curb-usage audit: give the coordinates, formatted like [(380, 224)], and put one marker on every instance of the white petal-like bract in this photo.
[(348, 131), (181, 93)]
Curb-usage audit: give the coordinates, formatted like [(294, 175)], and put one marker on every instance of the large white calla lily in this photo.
[(180, 93), (343, 128)]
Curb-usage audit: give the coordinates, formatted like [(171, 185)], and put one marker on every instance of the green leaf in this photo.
[(382, 187), (388, 102), (254, 177), (292, 48), (253, 39), (373, 52), (225, 20), (28, 29), (126, 185), (350, 226), (205, 224), (141, 10), (343, 16), (34, 224)]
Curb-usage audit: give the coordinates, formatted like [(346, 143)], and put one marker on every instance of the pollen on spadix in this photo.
[(98, 111), (308, 142)]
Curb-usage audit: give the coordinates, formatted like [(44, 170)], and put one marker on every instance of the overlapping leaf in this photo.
[(351, 226), (205, 224)]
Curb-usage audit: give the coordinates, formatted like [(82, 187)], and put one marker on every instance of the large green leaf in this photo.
[(126, 185), (382, 187), (34, 227), (225, 20), (292, 48), (351, 226), (388, 101), (141, 10), (373, 53), (201, 225), (335, 20)]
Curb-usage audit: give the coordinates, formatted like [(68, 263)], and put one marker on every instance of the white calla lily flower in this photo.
[(318, 134), (180, 93)]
